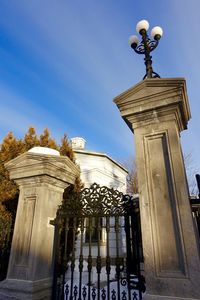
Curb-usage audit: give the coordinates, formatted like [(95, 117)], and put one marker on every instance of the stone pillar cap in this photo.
[(31, 164), (155, 94)]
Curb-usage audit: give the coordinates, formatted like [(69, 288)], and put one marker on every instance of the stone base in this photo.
[(157, 297), (14, 289)]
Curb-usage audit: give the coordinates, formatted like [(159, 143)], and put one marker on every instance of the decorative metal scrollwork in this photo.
[(141, 48), (96, 201)]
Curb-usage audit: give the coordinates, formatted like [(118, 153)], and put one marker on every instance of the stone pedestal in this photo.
[(157, 110), (41, 180)]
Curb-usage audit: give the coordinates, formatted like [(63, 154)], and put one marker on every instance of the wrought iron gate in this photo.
[(97, 246)]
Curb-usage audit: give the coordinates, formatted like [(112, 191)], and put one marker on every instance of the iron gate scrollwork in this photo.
[(97, 255)]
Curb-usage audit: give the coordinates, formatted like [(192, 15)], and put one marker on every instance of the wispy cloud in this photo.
[(63, 37), (64, 61), (78, 58), (18, 114)]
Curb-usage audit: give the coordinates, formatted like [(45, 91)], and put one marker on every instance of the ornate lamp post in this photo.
[(147, 45)]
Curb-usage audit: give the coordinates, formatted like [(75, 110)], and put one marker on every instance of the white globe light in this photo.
[(156, 31), (143, 24), (133, 40)]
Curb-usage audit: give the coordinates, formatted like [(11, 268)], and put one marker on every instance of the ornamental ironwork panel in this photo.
[(96, 201), (98, 246)]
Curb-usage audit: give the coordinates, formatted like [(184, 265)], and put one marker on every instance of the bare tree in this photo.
[(132, 179), (191, 170)]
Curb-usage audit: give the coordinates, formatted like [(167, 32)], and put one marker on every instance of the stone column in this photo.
[(41, 179), (157, 110)]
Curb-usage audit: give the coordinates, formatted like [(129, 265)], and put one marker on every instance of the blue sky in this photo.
[(63, 61)]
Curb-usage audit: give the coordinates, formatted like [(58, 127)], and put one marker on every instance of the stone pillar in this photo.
[(41, 179), (157, 110)]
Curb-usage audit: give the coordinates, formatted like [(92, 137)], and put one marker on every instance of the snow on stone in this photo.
[(44, 150)]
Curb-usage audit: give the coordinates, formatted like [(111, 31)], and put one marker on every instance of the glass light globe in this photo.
[(156, 31), (143, 24), (133, 40)]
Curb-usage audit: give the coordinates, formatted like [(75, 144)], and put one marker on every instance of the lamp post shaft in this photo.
[(147, 59)]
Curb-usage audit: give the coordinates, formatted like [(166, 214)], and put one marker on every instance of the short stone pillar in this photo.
[(157, 110), (41, 179)]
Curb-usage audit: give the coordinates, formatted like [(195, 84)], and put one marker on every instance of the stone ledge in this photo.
[(154, 97), (14, 289), (158, 297), (36, 165)]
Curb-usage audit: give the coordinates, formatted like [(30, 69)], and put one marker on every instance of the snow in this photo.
[(44, 150)]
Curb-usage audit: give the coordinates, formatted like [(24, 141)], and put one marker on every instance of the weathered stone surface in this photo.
[(29, 165), (42, 180), (14, 289), (153, 98), (157, 110)]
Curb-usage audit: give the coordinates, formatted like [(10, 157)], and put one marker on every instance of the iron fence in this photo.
[(98, 246)]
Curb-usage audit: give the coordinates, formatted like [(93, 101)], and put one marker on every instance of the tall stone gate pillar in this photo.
[(41, 179), (157, 110)]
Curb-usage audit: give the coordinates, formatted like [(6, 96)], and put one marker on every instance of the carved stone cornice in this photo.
[(155, 98), (42, 168)]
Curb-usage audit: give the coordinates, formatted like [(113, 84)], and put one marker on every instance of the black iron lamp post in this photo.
[(147, 45)]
